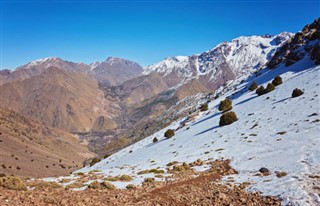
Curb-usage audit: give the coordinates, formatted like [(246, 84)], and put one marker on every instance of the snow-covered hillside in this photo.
[(242, 55), (273, 131)]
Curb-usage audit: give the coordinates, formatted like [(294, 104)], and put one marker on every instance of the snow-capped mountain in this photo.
[(289, 146), (112, 71), (241, 56)]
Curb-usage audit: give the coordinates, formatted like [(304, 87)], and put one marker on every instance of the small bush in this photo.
[(12, 183), (228, 118), (107, 185), (296, 92), (106, 156), (270, 87), (260, 91), (204, 107), (94, 161), (225, 105), (125, 178), (253, 86), (172, 163), (155, 140), (277, 81), (130, 186), (148, 180), (95, 185), (169, 133)]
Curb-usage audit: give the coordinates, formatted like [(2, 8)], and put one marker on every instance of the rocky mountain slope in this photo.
[(267, 135), (112, 71), (66, 100), (31, 149), (226, 61)]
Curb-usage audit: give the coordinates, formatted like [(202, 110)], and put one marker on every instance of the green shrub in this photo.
[(277, 81), (169, 133), (228, 118), (155, 140), (225, 105), (94, 161), (260, 91), (296, 92), (270, 87), (253, 86), (204, 107)]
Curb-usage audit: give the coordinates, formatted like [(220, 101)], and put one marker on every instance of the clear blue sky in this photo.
[(142, 31)]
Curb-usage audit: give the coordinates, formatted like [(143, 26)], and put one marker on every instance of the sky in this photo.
[(141, 31)]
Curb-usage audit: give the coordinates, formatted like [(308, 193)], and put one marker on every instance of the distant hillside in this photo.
[(31, 149)]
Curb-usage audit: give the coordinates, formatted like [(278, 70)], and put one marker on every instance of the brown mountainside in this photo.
[(31, 149), (66, 100)]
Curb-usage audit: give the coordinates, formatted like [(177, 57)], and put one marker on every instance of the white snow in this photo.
[(297, 152)]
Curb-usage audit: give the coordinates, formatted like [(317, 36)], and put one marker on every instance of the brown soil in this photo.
[(204, 189)]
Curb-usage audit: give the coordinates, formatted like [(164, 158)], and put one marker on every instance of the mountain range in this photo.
[(108, 105)]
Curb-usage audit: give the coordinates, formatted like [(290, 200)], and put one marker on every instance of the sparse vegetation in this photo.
[(169, 133), (225, 105), (108, 185), (94, 161), (204, 107), (155, 171), (75, 185), (253, 86), (130, 186), (12, 183), (277, 81), (296, 92), (172, 163), (228, 118), (125, 178)]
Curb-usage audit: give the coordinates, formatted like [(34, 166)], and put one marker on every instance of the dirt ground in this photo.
[(189, 189)]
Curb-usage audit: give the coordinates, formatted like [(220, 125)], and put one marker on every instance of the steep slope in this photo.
[(268, 134), (303, 43), (31, 149), (226, 61), (66, 100), (112, 71)]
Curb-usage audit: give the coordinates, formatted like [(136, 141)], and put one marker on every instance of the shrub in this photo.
[(130, 186), (125, 178), (94, 161), (253, 86), (270, 87), (148, 180), (296, 92), (169, 133), (106, 156), (228, 118), (108, 185), (277, 81), (204, 107), (12, 183), (155, 140), (225, 105), (95, 185), (260, 91)]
